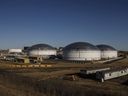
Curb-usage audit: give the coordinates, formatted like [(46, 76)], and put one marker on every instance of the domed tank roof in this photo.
[(104, 47), (41, 47), (80, 46)]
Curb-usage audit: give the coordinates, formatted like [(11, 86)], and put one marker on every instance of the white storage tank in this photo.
[(81, 51), (15, 50), (107, 51), (43, 50)]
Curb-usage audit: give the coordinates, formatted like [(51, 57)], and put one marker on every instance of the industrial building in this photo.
[(22, 60), (107, 51), (81, 51), (41, 50), (110, 74), (92, 71)]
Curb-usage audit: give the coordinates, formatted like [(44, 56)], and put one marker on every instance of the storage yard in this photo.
[(64, 48), (35, 81), (78, 68)]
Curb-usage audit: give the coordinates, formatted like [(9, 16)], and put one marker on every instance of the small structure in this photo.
[(110, 74), (22, 60), (9, 58), (36, 59), (92, 71), (3, 53)]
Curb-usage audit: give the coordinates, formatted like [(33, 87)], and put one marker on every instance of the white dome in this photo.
[(107, 51), (41, 50), (81, 51)]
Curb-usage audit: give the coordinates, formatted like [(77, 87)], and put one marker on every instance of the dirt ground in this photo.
[(39, 81)]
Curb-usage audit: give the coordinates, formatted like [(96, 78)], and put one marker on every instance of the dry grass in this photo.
[(47, 82)]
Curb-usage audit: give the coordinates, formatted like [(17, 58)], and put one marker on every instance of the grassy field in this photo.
[(49, 81)]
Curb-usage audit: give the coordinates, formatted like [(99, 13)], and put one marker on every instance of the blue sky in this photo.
[(60, 22)]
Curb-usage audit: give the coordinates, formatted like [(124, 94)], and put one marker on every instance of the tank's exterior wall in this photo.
[(15, 50), (109, 54), (82, 55), (42, 52)]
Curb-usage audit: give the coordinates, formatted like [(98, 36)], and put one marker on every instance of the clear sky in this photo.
[(60, 22)]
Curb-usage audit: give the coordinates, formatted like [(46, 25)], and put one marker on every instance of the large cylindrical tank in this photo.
[(107, 51), (43, 50), (81, 51)]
